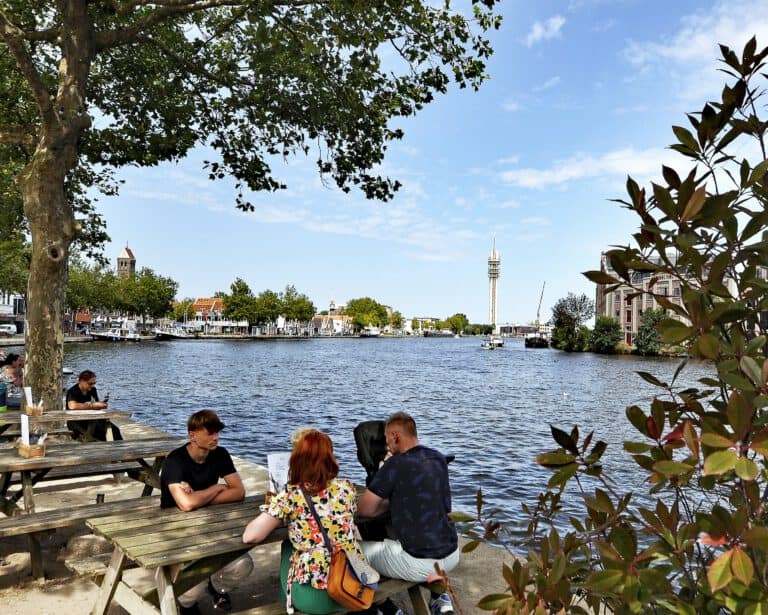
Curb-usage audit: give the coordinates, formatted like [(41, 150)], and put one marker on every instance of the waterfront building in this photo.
[(12, 310), (626, 305), (126, 263), (494, 271), (327, 325), (209, 318)]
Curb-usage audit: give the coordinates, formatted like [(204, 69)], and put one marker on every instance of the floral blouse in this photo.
[(336, 506)]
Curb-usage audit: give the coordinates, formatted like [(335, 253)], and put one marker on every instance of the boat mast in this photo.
[(538, 309)]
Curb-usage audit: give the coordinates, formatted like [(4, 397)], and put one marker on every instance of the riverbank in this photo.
[(478, 574)]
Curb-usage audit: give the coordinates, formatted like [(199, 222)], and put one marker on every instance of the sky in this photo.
[(582, 93)]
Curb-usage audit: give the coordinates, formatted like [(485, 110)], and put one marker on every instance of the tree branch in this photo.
[(14, 39)]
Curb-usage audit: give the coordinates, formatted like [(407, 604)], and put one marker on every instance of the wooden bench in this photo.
[(386, 589), (53, 519), (95, 567)]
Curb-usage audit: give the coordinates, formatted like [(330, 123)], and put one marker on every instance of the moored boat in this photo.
[(536, 341), (370, 331), (116, 334), (172, 333)]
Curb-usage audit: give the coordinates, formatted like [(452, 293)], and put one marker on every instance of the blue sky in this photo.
[(582, 93)]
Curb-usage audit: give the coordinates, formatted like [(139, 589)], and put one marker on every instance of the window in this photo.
[(628, 316), (677, 291)]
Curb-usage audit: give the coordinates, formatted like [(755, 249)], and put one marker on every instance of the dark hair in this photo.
[(312, 462), (9, 359), (86, 374), (404, 421), (205, 419)]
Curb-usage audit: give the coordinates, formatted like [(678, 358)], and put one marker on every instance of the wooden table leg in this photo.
[(419, 607), (165, 593), (154, 473), (108, 585)]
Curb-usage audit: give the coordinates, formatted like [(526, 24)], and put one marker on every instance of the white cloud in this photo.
[(511, 105), (535, 221), (641, 164), (548, 84), (691, 53), (545, 31), (508, 205), (509, 160)]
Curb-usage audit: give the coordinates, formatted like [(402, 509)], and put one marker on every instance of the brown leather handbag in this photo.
[(345, 587)]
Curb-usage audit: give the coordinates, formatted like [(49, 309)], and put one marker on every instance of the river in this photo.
[(490, 409)]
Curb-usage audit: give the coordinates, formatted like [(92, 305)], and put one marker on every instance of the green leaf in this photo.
[(709, 346), (756, 537), (562, 476), (652, 379), (672, 468), (605, 580), (746, 469), (554, 459), (716, 440), (637, 417), (460, 517), (493, 602), (470, 546), (739, 414), (759, 443), (719, 573), (600, 277), (752, 370), (694, 205), (637, 448), (742, 567), (674, 331), (564, 440), (686, 138), (720, 462)]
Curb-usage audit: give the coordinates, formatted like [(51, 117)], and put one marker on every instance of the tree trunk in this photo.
[(51, 223), (50, 216)]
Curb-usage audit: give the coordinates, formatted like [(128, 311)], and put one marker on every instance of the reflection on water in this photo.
[(491, 409)]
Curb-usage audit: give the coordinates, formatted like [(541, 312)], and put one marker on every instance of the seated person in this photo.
[(413, 484), (305, 561), (189, 479), (84, 396)]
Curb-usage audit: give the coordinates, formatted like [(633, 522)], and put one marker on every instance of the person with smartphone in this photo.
[(84, 396)]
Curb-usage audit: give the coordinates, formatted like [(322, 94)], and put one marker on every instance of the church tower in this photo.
[(494, 270), (126, 263)]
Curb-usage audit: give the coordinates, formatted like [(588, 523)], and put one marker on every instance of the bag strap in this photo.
[(317, 520)]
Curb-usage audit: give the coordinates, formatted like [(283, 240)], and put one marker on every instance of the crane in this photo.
[(538, 309)]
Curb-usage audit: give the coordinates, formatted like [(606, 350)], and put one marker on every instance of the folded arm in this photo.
[(231, 490)]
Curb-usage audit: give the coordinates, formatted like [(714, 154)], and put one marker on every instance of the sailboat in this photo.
[(536, 339)]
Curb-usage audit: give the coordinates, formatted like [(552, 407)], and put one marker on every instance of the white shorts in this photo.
[(390, 559)]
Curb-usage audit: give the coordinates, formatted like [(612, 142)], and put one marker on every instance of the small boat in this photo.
[(116, 334), (370, 331), (493, 342), (172, 333)]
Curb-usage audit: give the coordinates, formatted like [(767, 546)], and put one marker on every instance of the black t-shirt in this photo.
[(416, 484), (75, 393), (180, 467)]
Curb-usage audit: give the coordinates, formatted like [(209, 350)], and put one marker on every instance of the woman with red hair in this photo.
[(304, 559)]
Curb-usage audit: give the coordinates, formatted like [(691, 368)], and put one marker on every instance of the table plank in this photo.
[(78, 453), (13, 417)]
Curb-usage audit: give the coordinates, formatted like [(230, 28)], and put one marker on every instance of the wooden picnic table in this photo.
[(148, 453), (179, 548), (12, 418)]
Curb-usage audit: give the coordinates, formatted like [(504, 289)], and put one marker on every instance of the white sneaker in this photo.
[(441, 605)]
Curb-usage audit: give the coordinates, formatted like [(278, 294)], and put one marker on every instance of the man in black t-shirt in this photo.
[(413, 485), (190, 479), (84, 396)]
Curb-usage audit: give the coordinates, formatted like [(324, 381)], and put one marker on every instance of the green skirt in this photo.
[(304, 597)]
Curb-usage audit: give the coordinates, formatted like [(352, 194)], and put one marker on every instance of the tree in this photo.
[(697, 541), (648, 339), (268, 307), (296, 307), (182, 311), (605, 336), (568, 315), (397, 321), (251, 81), (240, 304), (366, 312), (457, 323)]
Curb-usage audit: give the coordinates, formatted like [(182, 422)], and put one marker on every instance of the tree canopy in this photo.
[(87, 85), (605, 336), (568, 316)]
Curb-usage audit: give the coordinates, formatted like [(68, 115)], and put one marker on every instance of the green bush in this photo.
[(605, 336), (701, 545)]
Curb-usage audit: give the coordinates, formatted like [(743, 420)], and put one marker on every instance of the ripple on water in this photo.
[(491, 409)]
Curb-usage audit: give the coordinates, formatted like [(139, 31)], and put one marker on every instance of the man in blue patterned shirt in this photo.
[(413, 485)]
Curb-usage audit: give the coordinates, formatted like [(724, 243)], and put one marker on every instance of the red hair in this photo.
[(312, 462)]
